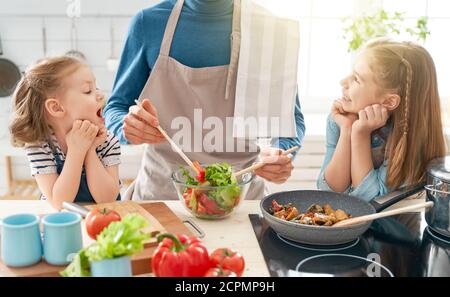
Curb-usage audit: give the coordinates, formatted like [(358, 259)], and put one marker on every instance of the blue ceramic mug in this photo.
[(21, 240), (62, 237), (116, 267)]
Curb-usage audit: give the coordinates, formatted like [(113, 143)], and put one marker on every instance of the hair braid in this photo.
[(397, 173), (407, 94)]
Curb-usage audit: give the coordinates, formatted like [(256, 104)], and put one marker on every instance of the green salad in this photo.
[(212, 202)]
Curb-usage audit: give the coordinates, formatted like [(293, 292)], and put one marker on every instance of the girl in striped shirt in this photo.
[(58, 120)]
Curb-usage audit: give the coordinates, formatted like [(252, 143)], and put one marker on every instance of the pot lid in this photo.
[(440, 168)]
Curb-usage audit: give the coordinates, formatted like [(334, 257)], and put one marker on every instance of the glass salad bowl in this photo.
[(217, 196)]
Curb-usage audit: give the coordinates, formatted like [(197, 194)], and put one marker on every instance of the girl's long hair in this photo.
[(42, 80), (417, 135)]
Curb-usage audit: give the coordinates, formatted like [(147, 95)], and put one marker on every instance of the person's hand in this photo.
[(278, 167), (100, 138), (140, 124), (370, 118), (81, 136), (342, 118)]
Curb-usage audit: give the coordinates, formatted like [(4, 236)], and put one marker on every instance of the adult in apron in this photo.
[(179, 91)]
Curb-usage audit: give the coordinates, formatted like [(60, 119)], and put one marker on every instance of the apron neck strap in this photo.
[(170, 28), (236, 16), (235, 47)]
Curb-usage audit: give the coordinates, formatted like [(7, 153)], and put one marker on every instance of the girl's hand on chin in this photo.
[(100, 138), (81, 136), (371, 118), (341, 117)]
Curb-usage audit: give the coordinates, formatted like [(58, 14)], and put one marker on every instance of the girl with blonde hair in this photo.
[(387, 126), (58, 120)]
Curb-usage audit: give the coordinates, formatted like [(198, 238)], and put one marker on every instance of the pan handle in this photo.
[(385, 201)]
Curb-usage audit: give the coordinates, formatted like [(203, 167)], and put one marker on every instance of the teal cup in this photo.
[(62, 237), (21, 240), (116, 267)]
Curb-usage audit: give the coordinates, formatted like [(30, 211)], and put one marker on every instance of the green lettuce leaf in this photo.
[(122, 238), (220, 175), (79, 267), (189, 179)]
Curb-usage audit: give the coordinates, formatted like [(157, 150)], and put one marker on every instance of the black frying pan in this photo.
[(9, 75), (324, 235)]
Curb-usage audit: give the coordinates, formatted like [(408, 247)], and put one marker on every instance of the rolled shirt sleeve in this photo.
[(373, 185)]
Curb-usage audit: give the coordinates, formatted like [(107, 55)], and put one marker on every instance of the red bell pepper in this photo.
[(180, 256)]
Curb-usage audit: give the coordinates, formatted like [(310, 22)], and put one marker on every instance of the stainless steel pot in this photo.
[(438, 191)]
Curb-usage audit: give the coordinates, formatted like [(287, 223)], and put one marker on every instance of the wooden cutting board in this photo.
[(129, 207), (166, 221)]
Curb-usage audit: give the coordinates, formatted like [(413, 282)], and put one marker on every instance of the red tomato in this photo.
[(211, 206), (228, 259), (201, 171), (201, 177), (219, 272), (187, 199), (200, 208), (99, 219)]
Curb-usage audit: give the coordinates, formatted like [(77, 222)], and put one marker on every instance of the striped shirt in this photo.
[(42, 158)]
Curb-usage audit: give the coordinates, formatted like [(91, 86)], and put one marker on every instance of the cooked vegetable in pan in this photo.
[(314, 215)]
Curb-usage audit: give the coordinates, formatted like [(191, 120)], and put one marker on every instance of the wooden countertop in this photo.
[(235, 231)]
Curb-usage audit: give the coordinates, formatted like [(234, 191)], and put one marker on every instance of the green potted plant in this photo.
[(110, 254), (359, 30)]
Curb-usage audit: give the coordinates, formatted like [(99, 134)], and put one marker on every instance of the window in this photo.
[(324, 59)]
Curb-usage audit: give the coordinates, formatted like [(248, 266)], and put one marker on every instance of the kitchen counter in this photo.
[(234, 232)]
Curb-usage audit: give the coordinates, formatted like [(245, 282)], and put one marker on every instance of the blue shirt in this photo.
[(374, 184), (201, 39)]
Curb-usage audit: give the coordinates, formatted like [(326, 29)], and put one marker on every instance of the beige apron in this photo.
[(176, 90)]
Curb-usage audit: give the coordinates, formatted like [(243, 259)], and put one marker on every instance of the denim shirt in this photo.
[(374, 183)]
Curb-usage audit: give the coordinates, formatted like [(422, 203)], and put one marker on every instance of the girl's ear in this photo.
[(391, 101), (54, 108)]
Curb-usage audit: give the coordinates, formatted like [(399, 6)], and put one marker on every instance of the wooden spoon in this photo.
[(383, 214), (173, 144)]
